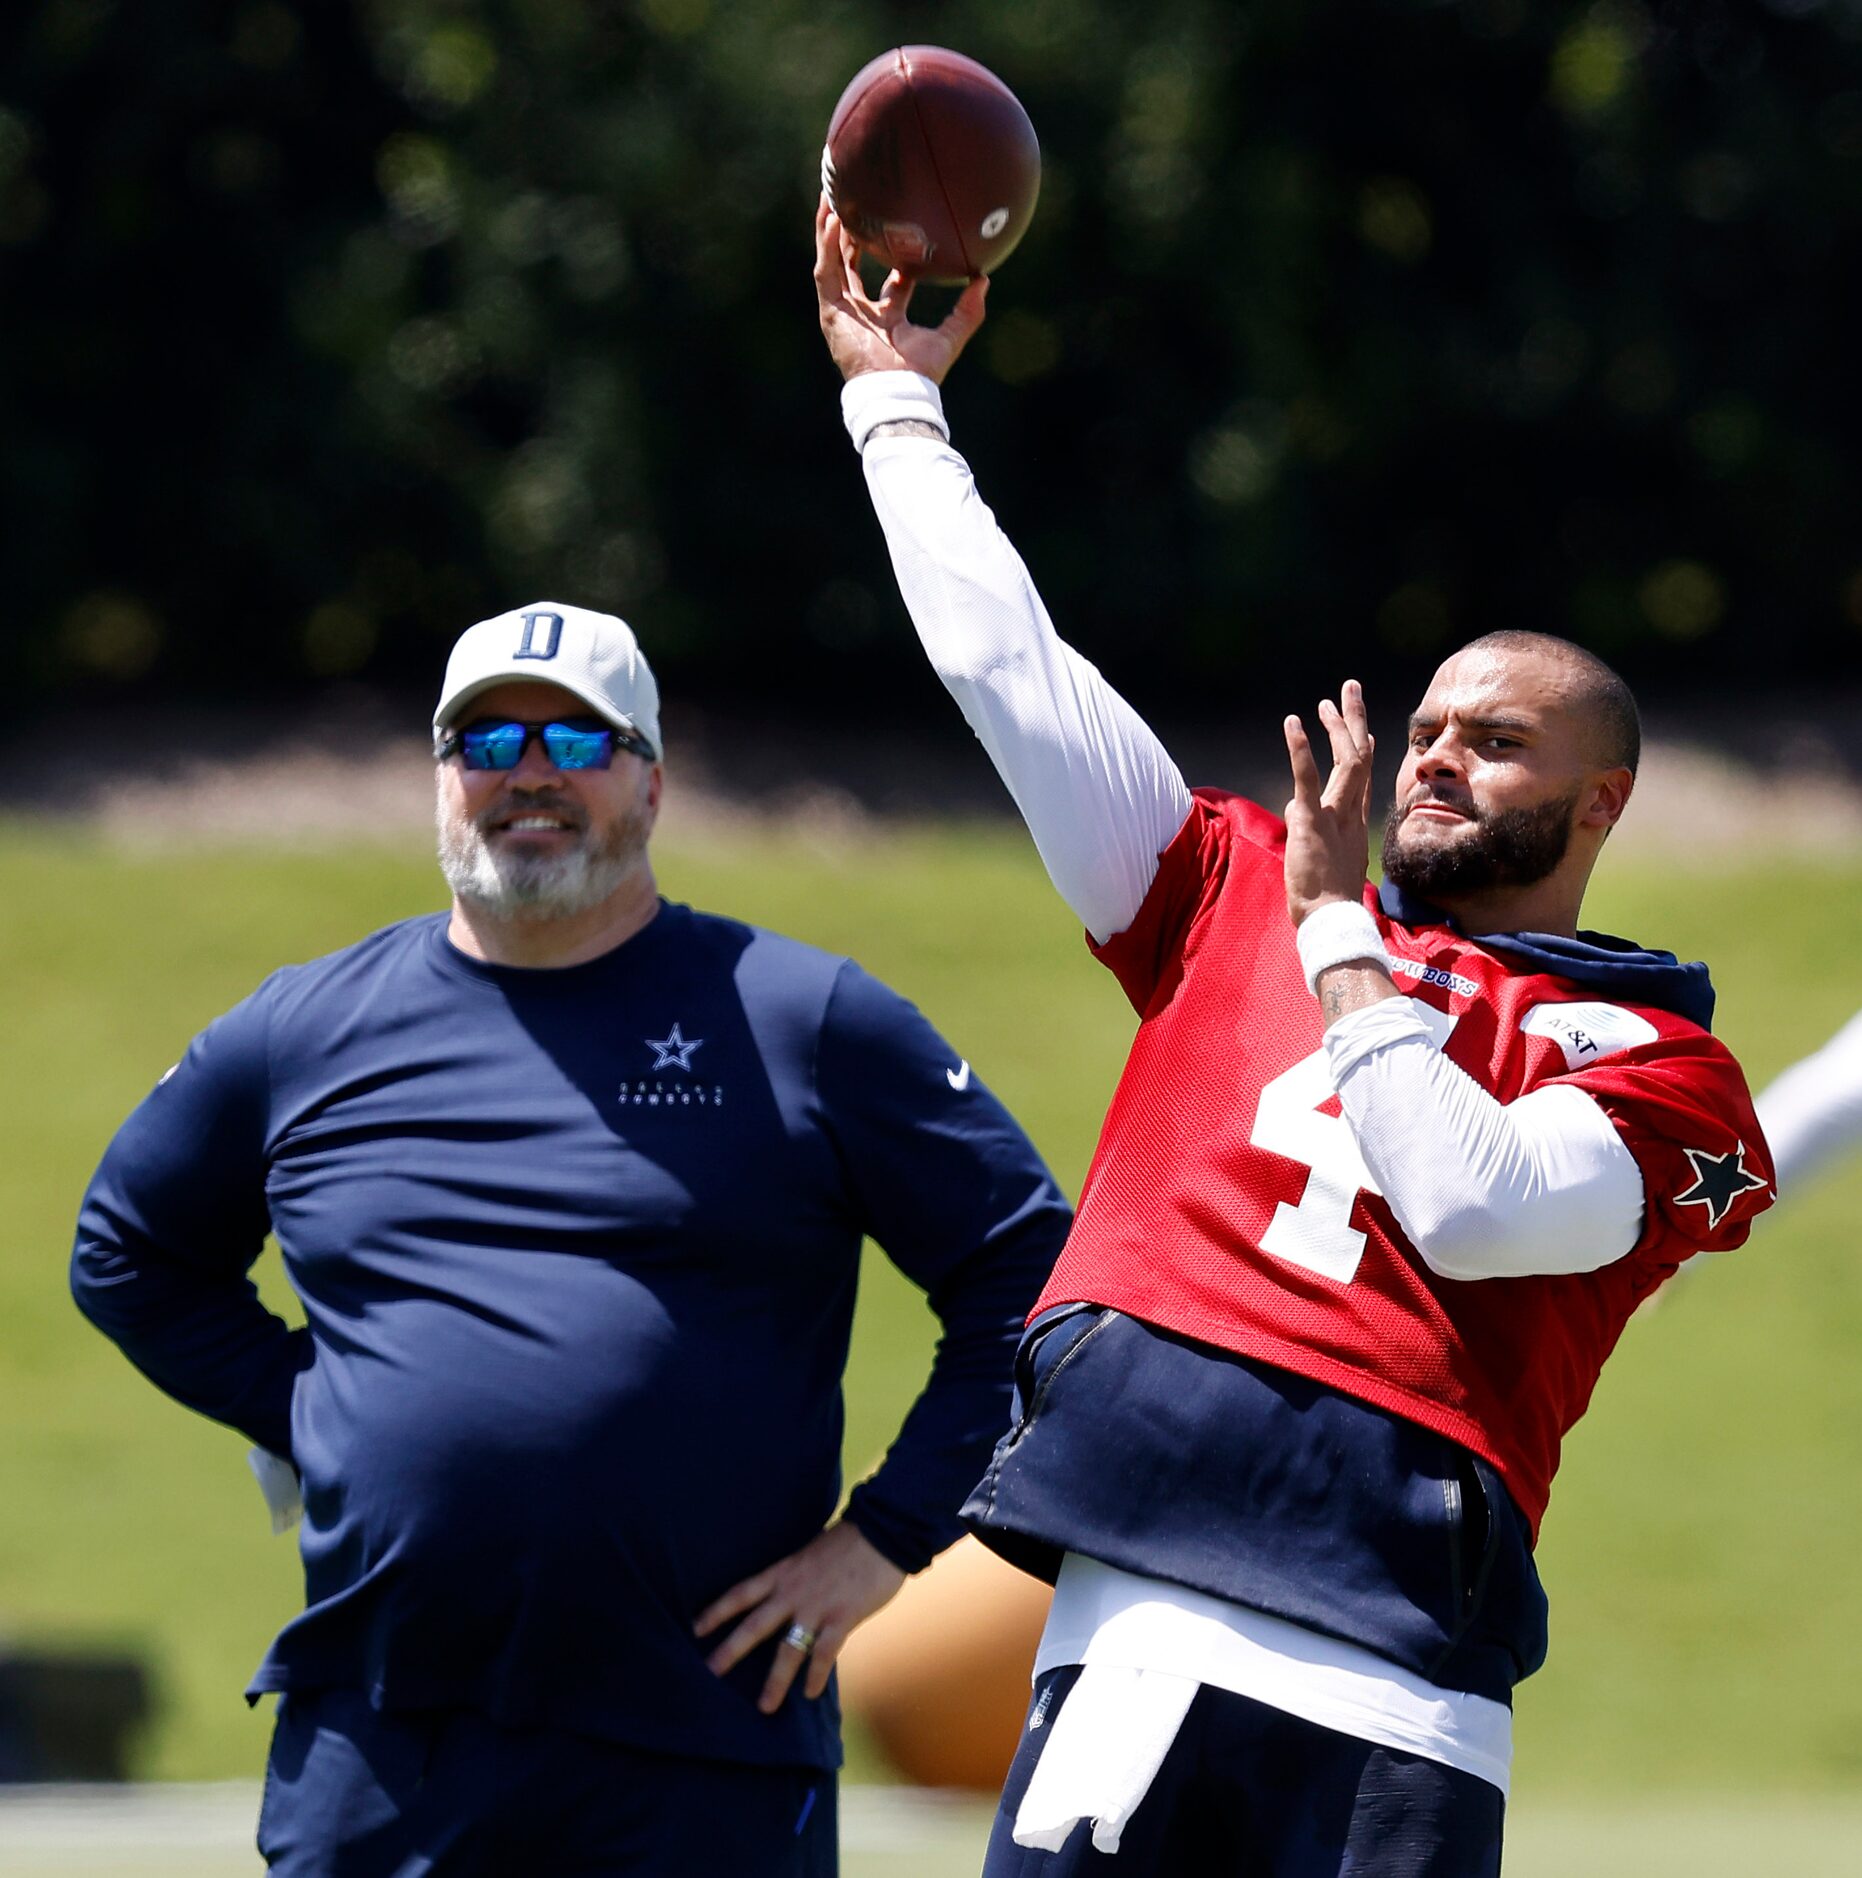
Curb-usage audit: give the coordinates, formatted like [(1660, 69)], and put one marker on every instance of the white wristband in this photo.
[(1338, 932), (875, 398)]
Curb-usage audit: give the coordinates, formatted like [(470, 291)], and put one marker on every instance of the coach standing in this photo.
[(1383, 1179), (572, 1183)]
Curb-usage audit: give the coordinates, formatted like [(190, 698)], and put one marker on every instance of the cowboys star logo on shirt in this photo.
[(674, 1050), (1719, 1180)]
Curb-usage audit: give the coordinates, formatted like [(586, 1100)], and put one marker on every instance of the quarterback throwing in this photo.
[(1385, 1175)]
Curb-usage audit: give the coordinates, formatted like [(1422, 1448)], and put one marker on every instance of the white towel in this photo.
[(1102, 1753), (278, 1482)]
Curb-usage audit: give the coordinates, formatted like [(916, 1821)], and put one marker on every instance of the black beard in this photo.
[(1507, 848)]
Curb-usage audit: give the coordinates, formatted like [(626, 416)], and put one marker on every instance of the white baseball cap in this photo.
[(595, 655)]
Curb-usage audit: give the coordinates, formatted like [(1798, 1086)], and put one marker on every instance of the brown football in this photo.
[(932, 164)]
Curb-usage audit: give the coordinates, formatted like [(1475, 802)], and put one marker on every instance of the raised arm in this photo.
[(1098, 791)]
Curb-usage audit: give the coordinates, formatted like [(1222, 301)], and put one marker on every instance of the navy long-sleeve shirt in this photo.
[(578, 1250)]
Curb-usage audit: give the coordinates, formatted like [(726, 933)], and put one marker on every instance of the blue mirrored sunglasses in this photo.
[(568, 742)]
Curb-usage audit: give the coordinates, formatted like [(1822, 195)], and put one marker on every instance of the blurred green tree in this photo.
[(1345, 328)]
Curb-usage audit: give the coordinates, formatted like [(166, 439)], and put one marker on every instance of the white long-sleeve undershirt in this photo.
[(1483, 1189), (1098, 791)]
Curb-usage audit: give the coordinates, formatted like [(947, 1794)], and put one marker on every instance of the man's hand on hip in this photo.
[(868, 335), (814, 1597)]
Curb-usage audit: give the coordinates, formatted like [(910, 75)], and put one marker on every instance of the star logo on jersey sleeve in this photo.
[(674, 1050), (1719, 1180)]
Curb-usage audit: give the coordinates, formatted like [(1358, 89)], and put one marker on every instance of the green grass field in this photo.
[(167, 1832), (1700, 1551)]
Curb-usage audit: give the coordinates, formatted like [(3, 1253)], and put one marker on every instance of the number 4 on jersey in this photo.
[(1318, 1233)]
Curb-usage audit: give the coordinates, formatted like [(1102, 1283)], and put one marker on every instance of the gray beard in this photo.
[(520, 886)]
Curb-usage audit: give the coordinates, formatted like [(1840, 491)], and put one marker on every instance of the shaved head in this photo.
[(1521, 758), (1603, 701)]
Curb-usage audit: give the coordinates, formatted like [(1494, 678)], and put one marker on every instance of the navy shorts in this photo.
[(1247, 1791), (351, 1792)]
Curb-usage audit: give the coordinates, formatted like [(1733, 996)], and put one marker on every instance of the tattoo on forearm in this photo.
[(906, 427), (1332, 997)]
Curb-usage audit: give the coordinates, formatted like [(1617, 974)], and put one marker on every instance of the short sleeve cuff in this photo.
[(875, 398)]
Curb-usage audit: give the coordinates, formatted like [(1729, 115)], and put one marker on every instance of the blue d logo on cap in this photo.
[(527, 646)]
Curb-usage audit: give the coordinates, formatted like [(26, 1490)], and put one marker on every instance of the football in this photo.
[(931, 164)]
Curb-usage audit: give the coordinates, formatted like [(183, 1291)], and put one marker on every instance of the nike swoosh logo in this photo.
[(958, 1078)]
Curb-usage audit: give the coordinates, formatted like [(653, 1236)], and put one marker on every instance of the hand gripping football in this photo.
[(931, 164)]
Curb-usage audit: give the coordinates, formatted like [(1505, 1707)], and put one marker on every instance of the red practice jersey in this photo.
[(1227, 1200)]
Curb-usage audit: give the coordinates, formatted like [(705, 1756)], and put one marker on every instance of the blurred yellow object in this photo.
[(940, 1677)]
